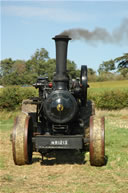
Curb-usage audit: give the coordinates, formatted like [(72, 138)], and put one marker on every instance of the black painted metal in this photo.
[(61, 78), (58, 142), (67, 100), (84, 84)]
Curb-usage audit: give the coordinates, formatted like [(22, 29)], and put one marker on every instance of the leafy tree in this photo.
[(91, 71), (123, 72), (91, 75), (15, 72), (119, 63), (71, 67), (5, 70), (122, 63), (19, 66), (40, 55), (21, 72), (107, 66), (6, 66), (50, 67), (38, 60)]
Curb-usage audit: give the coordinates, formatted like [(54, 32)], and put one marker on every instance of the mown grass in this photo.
[(6, 115), (69, 177), (109, 84), (101, 87), (6, 124)]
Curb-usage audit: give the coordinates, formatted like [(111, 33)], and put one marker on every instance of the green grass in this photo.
[(2, 163), (7, 178), (117, 147), (101, 87), (71, 178), (5, 128), (6, 124), (110, 84)]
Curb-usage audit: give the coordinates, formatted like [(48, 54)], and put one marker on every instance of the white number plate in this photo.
[(59, 142)]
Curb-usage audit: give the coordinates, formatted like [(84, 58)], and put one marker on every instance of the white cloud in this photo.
[(55, 14)]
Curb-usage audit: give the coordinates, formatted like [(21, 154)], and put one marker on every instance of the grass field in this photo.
[(110, 84), (101, 87), (75, 175)]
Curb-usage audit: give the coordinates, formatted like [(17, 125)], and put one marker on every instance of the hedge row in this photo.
[(11, 98), (110, 99)]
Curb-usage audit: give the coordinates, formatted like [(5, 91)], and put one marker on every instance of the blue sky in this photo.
[(28, 25)]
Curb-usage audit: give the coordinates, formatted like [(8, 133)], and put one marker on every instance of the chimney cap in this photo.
[(61, 37)]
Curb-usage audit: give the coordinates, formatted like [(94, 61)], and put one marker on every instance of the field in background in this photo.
[(110, 84), (101, 87), (75, 175)]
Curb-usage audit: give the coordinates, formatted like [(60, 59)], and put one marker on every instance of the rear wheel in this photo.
[(97, 141), (89, 111), (85, 113), (22, 140)]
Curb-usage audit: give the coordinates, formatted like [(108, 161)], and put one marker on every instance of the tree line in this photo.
[(20, 72), (120, 64)]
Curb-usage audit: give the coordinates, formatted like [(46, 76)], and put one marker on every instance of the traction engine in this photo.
[(60, 118)]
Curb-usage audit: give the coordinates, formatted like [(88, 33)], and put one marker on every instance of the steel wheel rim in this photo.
[(97, 160), (27, 130), (13, 140)]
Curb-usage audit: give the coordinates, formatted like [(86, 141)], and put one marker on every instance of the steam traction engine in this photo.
[(60, 118)]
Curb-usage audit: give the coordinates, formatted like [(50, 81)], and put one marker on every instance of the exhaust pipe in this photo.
[(61, 78)]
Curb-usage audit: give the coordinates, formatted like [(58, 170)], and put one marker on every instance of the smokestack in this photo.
[(61, 78)]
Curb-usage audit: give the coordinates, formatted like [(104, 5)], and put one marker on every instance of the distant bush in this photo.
[(110, 99), (108, 76), (11, 97), (92, 78)]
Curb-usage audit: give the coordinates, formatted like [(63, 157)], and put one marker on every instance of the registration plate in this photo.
[(59, 142)]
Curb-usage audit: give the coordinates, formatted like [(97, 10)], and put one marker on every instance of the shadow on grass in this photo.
[(62, 157), (106, 160)]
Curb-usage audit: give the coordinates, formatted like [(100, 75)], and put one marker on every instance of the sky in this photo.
[(30, 25)]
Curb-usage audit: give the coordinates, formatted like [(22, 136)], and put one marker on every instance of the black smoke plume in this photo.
[(117, 36)]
